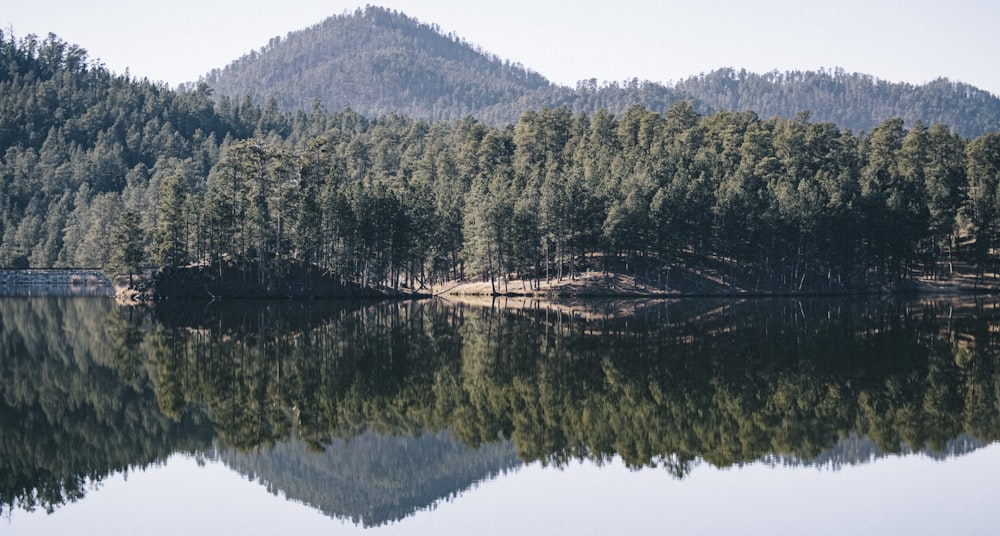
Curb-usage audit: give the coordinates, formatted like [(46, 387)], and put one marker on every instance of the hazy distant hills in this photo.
[(378, 61), (852, 100)]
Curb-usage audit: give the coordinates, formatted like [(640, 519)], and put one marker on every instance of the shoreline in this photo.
[(597, 286), (586, 286)]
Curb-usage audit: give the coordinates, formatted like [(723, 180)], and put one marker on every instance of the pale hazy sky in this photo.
[(566, 41)]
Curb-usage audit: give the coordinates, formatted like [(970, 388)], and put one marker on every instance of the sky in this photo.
[(913, 41)]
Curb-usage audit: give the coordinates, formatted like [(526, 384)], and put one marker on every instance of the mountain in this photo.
[(379, 62)]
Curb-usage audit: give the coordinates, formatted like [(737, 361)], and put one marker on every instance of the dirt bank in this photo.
[(598, 285)]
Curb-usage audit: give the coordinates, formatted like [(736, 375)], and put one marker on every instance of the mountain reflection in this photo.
[(372, 411), (373, 479)]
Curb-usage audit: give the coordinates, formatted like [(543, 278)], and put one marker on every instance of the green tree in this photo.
[(126, 255), (944, 178), (170, 236), (983, 191)]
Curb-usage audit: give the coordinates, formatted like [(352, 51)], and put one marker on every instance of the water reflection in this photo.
[(373, 479), (347, 406)]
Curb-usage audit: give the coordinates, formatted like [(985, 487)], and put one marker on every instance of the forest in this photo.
[(101, 170), (381, 62)]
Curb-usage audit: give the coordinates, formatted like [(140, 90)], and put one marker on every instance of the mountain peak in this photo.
[(376, 61)]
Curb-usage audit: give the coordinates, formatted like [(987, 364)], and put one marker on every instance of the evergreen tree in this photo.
[(126, 255), (170, 235)]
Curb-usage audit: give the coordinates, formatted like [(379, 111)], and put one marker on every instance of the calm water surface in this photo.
[(682, 417)]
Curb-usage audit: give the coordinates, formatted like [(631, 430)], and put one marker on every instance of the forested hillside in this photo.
[(79, 144), (378, 61), (93, 163), (851, 100)]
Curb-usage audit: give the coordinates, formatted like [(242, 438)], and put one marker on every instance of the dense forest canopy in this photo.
[(379, 61), (92, 159)]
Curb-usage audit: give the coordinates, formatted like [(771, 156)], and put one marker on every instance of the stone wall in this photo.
[(54, 283)]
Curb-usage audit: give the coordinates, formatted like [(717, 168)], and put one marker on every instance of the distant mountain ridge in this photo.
[(377, 62), (852, 100)]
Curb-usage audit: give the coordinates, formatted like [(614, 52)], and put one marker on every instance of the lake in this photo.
[(767, 416)]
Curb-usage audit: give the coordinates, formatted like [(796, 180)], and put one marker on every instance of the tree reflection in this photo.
[(726, 382), (73, 407), (90, 389)]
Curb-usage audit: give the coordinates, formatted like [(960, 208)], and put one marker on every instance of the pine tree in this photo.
[(170, 239), (126, 256)]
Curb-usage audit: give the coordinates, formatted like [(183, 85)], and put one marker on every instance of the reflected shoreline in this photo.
[(276, 385)]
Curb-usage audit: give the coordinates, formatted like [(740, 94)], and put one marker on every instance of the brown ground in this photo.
[(597, 285), (590, 284)]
